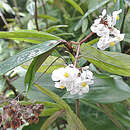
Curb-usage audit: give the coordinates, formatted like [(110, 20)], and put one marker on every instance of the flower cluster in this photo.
[(15, 115), (104, 28), (74, 80)]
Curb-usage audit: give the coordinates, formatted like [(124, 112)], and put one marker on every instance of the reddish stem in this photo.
[(78, 48), (86, 38), (76, 56), (75, 63)]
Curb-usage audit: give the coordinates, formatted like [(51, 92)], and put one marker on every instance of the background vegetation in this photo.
[(32, 34)]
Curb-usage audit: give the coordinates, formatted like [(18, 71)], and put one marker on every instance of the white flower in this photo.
[(70, 79), (81, 86), (86, 74), (56, 74), (104, 28), (62, 84), (100, 29), (68, 73), (111, 20), (103, 13), (110, 40), (65, 77)]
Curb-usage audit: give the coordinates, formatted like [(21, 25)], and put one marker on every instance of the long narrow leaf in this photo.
[(72, 119), (34, 66), (26, 55), (31, 36), (113, 62), (75, 5)]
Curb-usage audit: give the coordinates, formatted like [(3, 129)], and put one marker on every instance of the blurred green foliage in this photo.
[(107, 105)]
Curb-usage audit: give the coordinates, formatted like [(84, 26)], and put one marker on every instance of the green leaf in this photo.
[(49, 111), (127, 37), (31, 36), (73, 121), (51, 119), (105, 90), (84, 25), (34, 93), (26, 55), (49, 65), (65, 34), (53, 96), (34, 66), (90, 43), (75, 5), (121, 113), (113, 62), (79, 24), (47, 17), (53, 28), (107, 109)]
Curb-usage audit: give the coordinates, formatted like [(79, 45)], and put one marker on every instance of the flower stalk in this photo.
[(75, 64)]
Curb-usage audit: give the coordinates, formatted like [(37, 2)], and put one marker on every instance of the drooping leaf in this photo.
[(26, 55), (78, 25), (113, 62), (31, 36), (72, 119), (54, 61), (34, 66), (75, 5)]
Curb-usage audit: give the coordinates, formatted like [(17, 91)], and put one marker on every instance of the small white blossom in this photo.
[(100, 29), (103, 13), (81, 86), (63, 84), (68, 73), (111, 20), (86, 74), (65, 77), (104, 28), (72, 79), (110, 40)]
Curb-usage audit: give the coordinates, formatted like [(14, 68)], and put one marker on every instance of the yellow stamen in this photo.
[(66, 75), (119, 38), (84, 84), (112, 43), (62, 87), (117, 18)]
